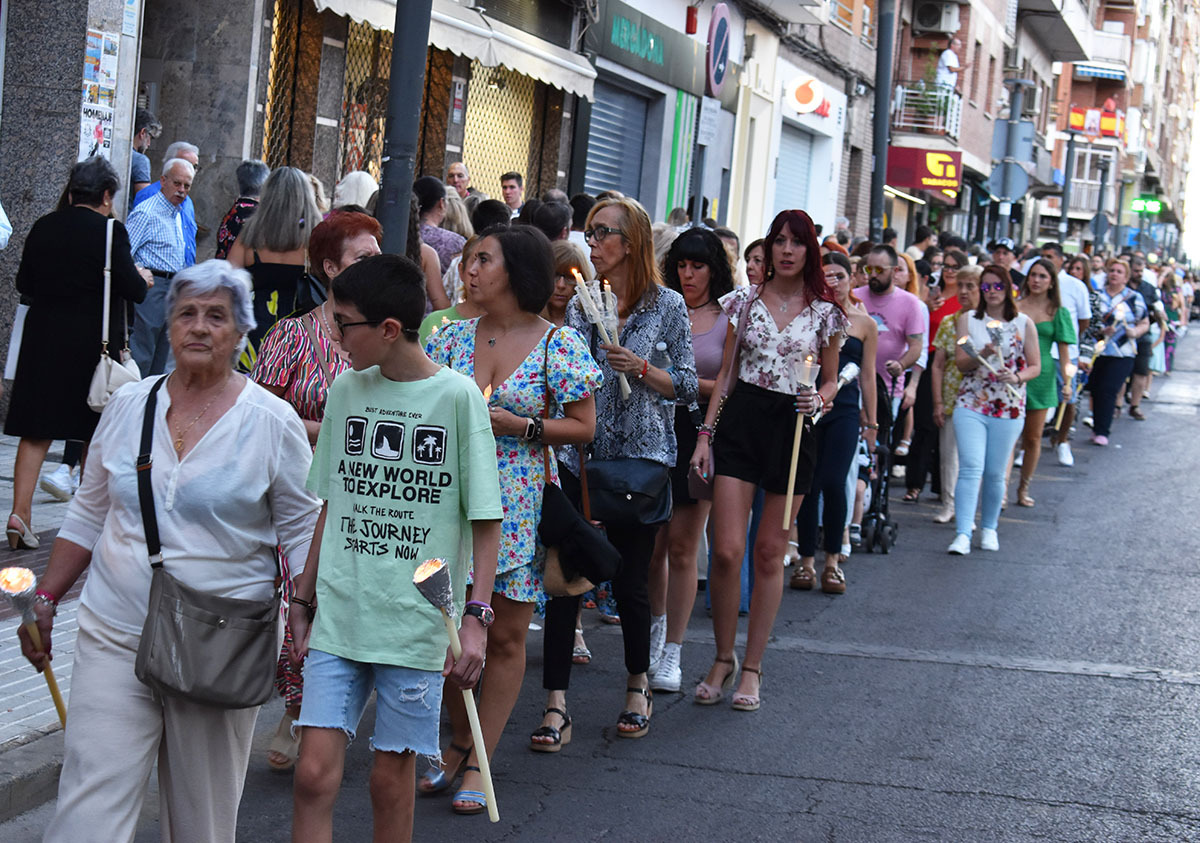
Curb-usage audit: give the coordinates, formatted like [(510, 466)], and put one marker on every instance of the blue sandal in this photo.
[(476, 801)]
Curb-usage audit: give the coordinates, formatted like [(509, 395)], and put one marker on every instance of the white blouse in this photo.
[(221, 512)]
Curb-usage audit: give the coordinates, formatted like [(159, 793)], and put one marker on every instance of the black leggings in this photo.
[(631, 590), (836, 441)]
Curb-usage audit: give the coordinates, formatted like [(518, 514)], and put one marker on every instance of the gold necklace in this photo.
[(179, 434)]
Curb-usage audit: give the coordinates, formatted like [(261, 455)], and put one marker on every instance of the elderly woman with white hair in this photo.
[(229, 462)]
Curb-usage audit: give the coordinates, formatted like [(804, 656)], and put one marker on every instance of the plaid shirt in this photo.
[(156, 234)]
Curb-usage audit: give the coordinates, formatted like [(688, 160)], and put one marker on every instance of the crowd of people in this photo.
[(330, 417)]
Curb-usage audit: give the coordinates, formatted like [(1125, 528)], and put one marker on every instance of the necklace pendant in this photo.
[(783, 307), (179, 445)]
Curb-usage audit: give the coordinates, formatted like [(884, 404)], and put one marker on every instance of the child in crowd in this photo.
[(406, 463)]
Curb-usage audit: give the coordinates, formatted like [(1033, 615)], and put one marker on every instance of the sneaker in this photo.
[(961, 546), (669, 674), (945, 515), (1089, 422), (1100, 440), (1065, 457), (658, 637), (1019, 459), (988, 540), (61, 484)]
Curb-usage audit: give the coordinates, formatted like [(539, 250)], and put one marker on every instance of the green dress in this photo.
[(1041, 393)]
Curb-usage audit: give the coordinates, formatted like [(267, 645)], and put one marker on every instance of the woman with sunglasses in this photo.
[(791, 317), (990, 407)]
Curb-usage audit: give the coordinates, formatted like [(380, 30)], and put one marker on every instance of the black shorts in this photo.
[(1145, 350), (753, 441), (685, 443)]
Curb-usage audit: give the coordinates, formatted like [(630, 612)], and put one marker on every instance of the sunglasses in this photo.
[(876, 270), (989, 286), (600, 233)]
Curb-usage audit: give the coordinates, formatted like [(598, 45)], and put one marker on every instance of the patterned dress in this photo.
[(572, 376), (287, 358)]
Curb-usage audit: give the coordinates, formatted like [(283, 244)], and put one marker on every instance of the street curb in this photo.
[(29, 774)]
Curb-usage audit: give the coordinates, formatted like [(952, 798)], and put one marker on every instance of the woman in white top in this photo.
[(229, 467)]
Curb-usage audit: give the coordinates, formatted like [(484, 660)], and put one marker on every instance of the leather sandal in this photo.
[(1135, 412), (581, 655), (436, 780), (803, 579), (641, 722), (284, 746), (21, 539), (706, 694), (1023, 496), (833, 581), (476, 801), (748, 702), (559, 737)]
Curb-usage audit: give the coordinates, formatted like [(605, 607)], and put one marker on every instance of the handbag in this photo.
[(208, 649), (578, 554), (627, 491), (701, 488), (110, 375)]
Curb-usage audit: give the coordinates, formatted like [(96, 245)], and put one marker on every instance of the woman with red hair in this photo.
[(746, 441)]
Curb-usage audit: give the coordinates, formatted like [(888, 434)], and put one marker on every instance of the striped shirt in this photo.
[(156, 234)]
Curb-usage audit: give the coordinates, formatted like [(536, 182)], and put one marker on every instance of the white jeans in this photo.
[(117, 729)]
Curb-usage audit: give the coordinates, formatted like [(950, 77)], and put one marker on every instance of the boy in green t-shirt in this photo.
[(406, 463)]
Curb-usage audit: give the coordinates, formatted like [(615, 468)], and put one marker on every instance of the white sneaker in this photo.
[(658, 637), (988, 540), (1065, 457), (669, 674), (961, 546), (61, 484), (1019, 459), (945, 514)]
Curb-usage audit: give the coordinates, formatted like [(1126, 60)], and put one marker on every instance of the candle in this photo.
[(997, 338), (805, 371), (487, 392), (592, 311)]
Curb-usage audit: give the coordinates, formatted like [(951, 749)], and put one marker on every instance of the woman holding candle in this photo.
[(622, 252), (1040, 301), (230, 462), (836, 438), (792, 335), (991, 406), (515, 356), (1124, 319)]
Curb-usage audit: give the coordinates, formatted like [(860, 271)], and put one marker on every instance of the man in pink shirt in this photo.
[(901, 319)]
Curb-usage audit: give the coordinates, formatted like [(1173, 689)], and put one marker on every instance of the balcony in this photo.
[(927, 109), (1085, 197), (1111, 47)]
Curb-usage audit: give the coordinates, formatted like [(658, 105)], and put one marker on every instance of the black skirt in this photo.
[(753, 441), (685, 444)]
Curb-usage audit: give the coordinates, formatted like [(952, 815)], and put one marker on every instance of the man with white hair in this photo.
[(158, 240), (191, 153)]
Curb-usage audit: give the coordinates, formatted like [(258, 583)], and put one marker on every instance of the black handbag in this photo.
[(627, 491), (208, 649)]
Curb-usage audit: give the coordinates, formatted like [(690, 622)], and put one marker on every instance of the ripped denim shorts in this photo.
[(407, 708)]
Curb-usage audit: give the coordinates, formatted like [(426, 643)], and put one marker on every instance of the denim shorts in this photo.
[(407, 707)]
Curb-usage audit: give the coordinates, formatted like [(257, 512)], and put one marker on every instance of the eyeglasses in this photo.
[(950, 266), (876, 270), (600, 233), (988, 286), (342, 326)]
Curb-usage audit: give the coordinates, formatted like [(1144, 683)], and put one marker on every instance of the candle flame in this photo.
[(487, 392), (995, 323), (578, 276), (16, 580), (963, 340)]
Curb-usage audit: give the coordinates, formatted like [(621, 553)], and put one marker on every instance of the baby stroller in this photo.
[(878, 529)]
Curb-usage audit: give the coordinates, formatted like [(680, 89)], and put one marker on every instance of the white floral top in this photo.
[(768, 354), (979, 390)]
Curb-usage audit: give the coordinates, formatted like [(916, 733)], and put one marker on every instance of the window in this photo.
[(976, 68), (842, 14), (868, 23), (989, 104)]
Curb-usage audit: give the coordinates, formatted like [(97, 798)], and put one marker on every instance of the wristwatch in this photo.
[(482, 611)]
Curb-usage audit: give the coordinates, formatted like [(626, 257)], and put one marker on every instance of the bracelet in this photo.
[(47, 597), (703, 432), (645, 369), (479, 603), (310, 606), (871, 427), (539, 428)]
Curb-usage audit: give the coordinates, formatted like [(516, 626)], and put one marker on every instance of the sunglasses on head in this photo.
[(987, 286)]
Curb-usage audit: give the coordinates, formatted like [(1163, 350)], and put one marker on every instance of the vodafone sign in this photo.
[(806, 94)]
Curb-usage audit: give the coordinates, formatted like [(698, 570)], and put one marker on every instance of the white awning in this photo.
[(473, 35)]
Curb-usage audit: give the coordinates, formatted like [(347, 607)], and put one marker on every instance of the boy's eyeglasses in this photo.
[(342, 326)]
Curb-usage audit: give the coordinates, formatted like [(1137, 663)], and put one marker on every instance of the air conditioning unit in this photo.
[(933, 16)]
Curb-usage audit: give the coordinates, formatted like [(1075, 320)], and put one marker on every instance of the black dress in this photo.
[(62, 273), (280, 290)]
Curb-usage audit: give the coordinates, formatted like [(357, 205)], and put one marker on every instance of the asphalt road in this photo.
[(1046, 692)]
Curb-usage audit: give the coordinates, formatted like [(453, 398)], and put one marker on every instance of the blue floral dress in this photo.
[(572, 375)]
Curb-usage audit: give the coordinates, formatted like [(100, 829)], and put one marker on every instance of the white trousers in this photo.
[(116, 730)]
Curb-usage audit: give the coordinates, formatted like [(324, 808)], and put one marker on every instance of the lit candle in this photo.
[(487, 392), (806, 369)]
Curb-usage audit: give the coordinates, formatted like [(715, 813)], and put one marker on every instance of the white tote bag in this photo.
[(14, 342), (110, 375)]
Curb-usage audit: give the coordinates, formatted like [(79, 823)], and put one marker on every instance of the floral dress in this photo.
[(946, 339), (572, 375), (980, 391)]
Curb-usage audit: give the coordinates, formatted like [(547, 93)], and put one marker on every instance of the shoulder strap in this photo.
[(145, 490), (546, 407), (743, 320), (326, 365), (108, 238)]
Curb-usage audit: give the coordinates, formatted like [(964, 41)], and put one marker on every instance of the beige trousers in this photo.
[(949, 462), (116, 730)]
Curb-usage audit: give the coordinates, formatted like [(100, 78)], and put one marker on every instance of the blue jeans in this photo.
[(984, 446)]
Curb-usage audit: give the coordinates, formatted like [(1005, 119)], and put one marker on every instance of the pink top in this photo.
[(287, 358), (709, 348)]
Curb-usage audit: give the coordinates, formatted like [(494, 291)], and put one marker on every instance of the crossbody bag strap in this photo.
[(145, 491), (326, 366), (108, 238), (743, 321), (546, 403)]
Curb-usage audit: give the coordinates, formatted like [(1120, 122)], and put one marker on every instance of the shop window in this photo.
[(281, 83), (499, 132)]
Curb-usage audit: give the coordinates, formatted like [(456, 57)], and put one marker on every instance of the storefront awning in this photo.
[(1100, 71), (473, 35)]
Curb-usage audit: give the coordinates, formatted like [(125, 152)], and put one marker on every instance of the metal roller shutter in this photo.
[(791, 169), (616, 137)]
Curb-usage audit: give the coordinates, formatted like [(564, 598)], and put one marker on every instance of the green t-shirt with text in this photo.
[(404, 466)]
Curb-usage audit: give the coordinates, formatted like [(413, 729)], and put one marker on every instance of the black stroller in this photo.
[(878, 529)]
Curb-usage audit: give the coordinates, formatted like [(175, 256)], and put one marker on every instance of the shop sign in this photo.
[(927, 169), (1098, 123), (717, 65), (806, 94), (639, 42)]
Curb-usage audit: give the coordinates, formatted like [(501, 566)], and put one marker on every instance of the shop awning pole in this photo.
[(410, 45), (885, 26)]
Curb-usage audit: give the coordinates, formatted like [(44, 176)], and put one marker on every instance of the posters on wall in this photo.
[(99, 93)]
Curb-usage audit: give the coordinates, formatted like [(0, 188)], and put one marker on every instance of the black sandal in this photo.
[(641, 722), (558, 737)]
